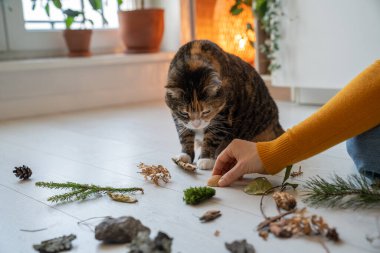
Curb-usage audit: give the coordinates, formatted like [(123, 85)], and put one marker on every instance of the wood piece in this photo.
[(213, 181), (183, 165), (210, 215)]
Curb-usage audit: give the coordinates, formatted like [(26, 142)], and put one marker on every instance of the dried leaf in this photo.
[(210, 215), (258, 186), (183, 165), (122, 198)]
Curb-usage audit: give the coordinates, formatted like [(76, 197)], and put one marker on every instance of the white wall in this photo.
[(326, 43), (3, 42), (67, 84), (172, 33)]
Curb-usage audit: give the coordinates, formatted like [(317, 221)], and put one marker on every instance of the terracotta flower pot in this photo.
[(78, 42), (142, 30)]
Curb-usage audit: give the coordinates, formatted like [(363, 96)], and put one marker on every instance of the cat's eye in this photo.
[(184, 114), (204, 113)]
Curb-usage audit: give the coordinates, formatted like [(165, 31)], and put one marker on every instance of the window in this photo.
[(38, 20), (29, 30)]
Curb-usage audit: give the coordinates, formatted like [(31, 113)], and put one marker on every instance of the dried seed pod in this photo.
[(213, 180), (264, 234), (284, 200), (122, 197), (210, 215), (297, 173), (23, 172), (183, 165), (280, 231), (332, 235)]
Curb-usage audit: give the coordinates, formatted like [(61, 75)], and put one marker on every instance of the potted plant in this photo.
[(77, 41), (142, 29)]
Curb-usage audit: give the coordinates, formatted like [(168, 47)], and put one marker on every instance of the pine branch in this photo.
[(78, 192), (354, 192)]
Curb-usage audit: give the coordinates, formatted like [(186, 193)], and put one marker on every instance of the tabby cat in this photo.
[(217, 97)]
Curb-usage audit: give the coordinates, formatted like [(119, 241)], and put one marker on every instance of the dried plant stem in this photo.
[(272, 219)]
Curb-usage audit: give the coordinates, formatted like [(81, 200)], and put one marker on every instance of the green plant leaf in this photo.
[(294, 186), (287, 173), (57, 4), (34, 4), (119, 2), (96, 4), (236, 9), (69, 21), (250, 27), (258, 186), (47, 9), (72, 13), (91, 22)]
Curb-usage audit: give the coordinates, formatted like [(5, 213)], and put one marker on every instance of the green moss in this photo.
[(195, 195)]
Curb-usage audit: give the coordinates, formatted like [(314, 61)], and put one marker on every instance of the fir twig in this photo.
[(354, 192), (81, 191)]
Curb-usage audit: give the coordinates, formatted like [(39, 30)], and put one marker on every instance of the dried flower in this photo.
[(154, 173), (284, 200)]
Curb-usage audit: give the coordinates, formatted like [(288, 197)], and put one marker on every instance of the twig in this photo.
[(272, 219), (33, 230), (262, 198)]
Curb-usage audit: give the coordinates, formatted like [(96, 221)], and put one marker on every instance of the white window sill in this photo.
[(97, 60)]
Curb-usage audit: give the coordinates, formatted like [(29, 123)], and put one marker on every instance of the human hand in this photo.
[(240, 157)]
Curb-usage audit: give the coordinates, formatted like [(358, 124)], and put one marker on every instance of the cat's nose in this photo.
[(196, 123)]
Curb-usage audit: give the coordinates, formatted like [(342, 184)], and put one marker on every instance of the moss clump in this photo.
[(195, 195)]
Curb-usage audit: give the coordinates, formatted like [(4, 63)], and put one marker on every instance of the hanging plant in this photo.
[(268, 12)]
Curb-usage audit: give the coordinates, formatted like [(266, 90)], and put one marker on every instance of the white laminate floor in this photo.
[(104, 146)]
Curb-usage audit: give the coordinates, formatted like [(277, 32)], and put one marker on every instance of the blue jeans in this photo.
[(364, 149)]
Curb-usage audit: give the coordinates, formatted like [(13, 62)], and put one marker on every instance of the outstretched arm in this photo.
[(355, 109)]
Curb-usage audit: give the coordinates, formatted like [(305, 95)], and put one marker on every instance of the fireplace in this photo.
[(212, 20)]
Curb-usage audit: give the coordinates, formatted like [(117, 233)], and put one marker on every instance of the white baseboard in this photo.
[(313, 96), (36, 87)]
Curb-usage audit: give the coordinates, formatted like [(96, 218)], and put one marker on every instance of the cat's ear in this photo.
[(174, 92), (212, 89), (214, 85)]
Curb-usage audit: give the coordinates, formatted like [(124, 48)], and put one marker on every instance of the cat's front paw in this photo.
[(205, 163), (184, 158)]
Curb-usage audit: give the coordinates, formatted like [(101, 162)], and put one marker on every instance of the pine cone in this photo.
[(23, 172), (284, 200)]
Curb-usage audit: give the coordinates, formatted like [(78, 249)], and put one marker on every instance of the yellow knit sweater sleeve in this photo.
[(355, 109)]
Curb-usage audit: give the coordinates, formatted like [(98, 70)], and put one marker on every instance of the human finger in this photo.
[(231, 176)]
